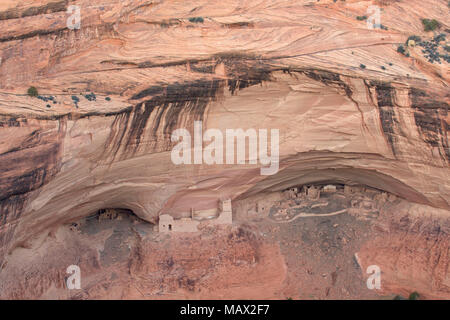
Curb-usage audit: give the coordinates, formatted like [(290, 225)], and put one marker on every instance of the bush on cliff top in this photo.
[(196, 20), (32, 92), (414, 296), (430, 24)]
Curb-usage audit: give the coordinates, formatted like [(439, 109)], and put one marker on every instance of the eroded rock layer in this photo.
[(350, 110)]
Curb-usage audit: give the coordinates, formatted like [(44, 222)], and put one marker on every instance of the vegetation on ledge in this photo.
[(430, 24), (32, 92)]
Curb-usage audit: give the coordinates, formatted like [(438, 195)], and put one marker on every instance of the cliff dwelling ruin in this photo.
[(223, 216)]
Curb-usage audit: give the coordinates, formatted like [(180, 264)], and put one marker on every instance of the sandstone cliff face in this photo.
[(309, 69)]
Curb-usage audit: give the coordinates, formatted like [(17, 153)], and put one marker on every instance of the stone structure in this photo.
[(291, 193), (225, 214), (168, 224), (329, 188), (313, 193), (348, 190)]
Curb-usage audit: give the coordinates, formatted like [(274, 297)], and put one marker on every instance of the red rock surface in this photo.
[(310, 69)]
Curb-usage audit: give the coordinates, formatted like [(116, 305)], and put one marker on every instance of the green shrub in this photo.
[(430, 24), (414, 296), (362, 66), (32, 92), (439, 38), (361, 18), (196, 20), (401, 49)]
